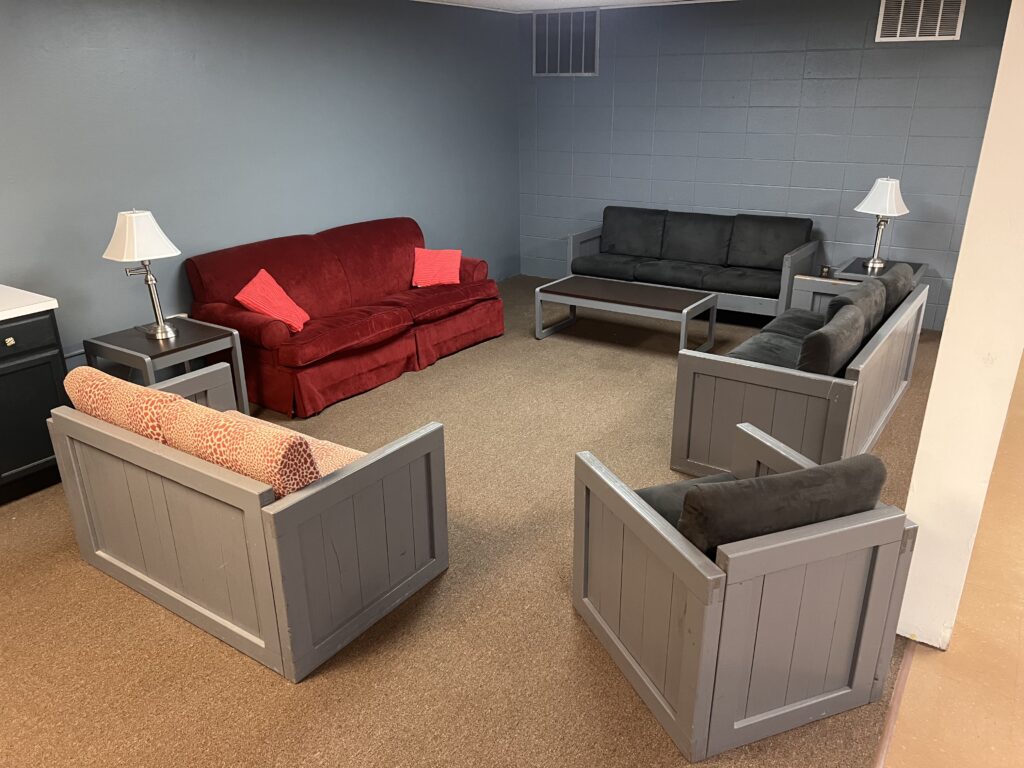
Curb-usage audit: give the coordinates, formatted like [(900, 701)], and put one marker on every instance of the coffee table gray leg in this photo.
[(539, 331), (690, 314)]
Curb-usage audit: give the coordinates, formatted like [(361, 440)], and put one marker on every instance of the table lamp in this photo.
[(137, 237), (885, 202)]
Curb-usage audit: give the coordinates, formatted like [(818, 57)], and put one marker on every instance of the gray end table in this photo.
[(643, 299), (195, 340), (814, 292)]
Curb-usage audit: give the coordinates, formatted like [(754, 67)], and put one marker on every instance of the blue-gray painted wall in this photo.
[(237, 121), (777, 106)]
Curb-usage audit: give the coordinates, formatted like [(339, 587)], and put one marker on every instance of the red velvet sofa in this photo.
[(367, 326)]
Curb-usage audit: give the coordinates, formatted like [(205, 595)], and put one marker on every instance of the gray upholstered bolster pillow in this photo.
[(869, 296), (831, 347), (667, 500), (898, 282), (721, 513)]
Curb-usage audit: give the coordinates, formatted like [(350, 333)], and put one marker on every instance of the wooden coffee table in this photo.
[(643, 299)]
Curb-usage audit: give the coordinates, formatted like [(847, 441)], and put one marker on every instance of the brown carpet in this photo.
[(489, 665)]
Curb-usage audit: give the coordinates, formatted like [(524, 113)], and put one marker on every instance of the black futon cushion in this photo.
[(610, 265), (762, 241), (632, 231), (667, 500), (898, 282), (769, 348), (869, 296), (723, 512), (698, 237), (680, 274), (829, 349), (745, 281), (795, 323)]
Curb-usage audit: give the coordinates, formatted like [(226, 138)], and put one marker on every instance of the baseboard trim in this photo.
[(894, 705)]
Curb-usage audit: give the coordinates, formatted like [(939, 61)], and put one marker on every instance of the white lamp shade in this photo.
[(884, 199), (137, 237)]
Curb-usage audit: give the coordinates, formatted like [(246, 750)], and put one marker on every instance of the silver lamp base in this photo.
[(158, 331), (876, 264)]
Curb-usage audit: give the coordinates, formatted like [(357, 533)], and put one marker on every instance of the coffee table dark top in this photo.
[(190, 334), (620, 292)]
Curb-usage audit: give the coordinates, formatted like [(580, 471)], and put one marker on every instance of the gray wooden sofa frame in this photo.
[(288, 582), (779, 631), (827, 418), (799, 261)]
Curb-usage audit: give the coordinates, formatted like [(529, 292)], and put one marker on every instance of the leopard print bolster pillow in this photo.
[(138, 409)]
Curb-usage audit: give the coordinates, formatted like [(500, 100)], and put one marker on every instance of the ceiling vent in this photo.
[(906, 20), (566, 43)]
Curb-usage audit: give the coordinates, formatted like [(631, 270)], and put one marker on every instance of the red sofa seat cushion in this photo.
[(437, 301), (302, 265), (344, 331)]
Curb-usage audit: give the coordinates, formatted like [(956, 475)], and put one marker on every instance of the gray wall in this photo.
[(238, 121), (771, 106)]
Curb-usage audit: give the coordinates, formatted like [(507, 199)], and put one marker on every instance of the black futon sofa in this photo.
[(748, 260)]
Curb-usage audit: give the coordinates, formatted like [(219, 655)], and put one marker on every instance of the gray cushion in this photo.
[(632, 231), (830, 348), (724, 512), (762, 241), (745, 281), (796, 323), (681, 274), (699, 237), (769, 348), (606, 265), (667, 499), (869, 296), (898, 281)]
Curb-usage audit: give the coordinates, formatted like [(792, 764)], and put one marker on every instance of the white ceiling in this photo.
[(526, 6)]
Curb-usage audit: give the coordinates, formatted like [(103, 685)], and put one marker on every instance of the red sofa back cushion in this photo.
[(377, 256), (303, 265)]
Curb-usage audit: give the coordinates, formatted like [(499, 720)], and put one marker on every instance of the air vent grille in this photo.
[(903, 20), (565, 43)]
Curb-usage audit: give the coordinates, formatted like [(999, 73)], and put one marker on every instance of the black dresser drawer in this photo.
[(27, 334)]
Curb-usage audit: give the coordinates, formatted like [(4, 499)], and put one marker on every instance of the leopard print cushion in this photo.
[(138, 409), (327, 455)]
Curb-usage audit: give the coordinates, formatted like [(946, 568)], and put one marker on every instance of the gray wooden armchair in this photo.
[(288, 582), (780, 630)]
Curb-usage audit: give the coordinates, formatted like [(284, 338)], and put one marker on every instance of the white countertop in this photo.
[(15, 302)]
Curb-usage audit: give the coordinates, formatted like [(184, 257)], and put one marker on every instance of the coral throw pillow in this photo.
[(436, 267), (138, 409), (263, 294)]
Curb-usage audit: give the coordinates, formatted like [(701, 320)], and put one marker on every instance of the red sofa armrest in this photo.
[(472, 270), (252, 327)]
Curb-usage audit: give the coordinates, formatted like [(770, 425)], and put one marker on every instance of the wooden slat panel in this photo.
[(419, 482), (727, 413), (198, 551), (814, 428), (735, 656), (155, 535), (596, 564), (631, 612), (657, 609), (342, 562), (848, 618), (111, 505), (372, 542), (398, 525), (700, 416), (776, 630), (314, 565), (227, 530), (611, 567), (790, 417), (821, 588), (758, 406), (676, 643)]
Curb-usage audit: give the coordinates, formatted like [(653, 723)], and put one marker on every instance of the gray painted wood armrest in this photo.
[(582, 244), (754, 449), (799, 261), (211, 386)]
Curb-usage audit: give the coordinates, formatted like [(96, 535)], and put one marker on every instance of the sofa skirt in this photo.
[(447, 336)]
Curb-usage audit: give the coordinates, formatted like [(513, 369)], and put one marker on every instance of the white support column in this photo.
[(977, 364)]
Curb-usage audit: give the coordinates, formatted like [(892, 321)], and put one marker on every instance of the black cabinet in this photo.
[(32, 372)]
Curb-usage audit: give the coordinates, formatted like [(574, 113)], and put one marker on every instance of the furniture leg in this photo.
[(540, 332), (148, 372), (238, 373)]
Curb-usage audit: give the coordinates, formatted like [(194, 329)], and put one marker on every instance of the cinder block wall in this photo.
[(775, 106)]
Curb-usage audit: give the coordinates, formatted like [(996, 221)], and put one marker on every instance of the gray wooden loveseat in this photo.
[(769, 632), (288, 582), (825, 384)]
